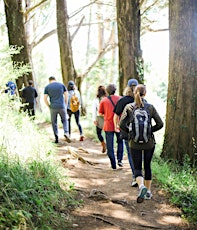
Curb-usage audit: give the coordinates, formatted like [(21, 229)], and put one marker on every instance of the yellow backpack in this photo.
[(74, 103)]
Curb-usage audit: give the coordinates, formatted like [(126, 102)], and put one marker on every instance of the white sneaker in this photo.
[(141, 195), (148, 195)]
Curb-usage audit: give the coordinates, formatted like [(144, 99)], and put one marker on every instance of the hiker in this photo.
[(146, 144), (58, 96), (127, 98), (74, 104), (98, 120), (11, 89), (106, 108), (29, 95)]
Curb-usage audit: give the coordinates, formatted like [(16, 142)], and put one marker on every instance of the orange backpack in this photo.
[(74, 103)]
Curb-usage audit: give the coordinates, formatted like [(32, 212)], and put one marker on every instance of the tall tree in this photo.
[(66, 57), (130, 54), (17, 37), (181, 119)]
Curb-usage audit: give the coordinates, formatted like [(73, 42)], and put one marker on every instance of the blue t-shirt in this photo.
[(55, 91)]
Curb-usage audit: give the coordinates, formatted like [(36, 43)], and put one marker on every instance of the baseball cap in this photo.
[(132, 82)]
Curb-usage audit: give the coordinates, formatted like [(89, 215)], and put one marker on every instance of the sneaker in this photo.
[(141, 194), (56, 139), (134, 183), (67, 138), (120, 164), (81, 138), (148, 195)]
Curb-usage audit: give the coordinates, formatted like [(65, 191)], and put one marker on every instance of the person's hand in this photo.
[(95, 123)]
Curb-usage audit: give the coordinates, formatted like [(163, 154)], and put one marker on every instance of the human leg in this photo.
[(148, 154), (110, 148), (77, 115), (133, 183), (101, 139), (64, 120), (119, 149), (69, 112), (54, 114), (137, 161)]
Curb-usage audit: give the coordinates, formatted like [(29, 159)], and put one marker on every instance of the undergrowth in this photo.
[(180, 182), (34, 190)]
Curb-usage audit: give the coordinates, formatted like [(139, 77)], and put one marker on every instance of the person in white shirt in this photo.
[(101, 92)]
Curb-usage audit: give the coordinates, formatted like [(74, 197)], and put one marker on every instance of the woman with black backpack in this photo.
[(141, 141)]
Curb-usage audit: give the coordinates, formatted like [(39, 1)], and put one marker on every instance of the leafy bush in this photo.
[(181, 183)]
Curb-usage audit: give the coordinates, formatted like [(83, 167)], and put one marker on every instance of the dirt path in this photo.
[(109, 200)]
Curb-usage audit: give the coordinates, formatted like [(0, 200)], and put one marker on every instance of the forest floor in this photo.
[(109, 201)]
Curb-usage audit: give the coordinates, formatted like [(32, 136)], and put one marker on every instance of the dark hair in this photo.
[(111, 89), (52, 78), (30, 82), (101, 92), (139, 92), (71, 85)]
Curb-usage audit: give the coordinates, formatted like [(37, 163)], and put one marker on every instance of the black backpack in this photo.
[(140, 127)]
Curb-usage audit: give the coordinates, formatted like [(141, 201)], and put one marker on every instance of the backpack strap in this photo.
[(111, 100)]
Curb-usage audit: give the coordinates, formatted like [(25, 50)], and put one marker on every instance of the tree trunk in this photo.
[(130, 55), (66, 56), (17, 37), (181, 119)]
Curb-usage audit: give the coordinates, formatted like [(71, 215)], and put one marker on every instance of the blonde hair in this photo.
[(139, 92), (128, 91)]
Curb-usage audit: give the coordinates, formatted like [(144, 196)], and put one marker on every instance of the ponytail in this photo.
[(139, 92)]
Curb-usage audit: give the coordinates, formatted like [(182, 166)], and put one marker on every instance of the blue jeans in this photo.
[(129, 157), (64, 120), (110, 147), (137, 161)]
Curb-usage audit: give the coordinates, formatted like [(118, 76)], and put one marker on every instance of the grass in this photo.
[(180, 182), (34, 190)]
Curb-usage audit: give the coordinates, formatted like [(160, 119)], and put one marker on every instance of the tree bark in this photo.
[(130, 54), (17, 37), (181, 119), (66, 56)]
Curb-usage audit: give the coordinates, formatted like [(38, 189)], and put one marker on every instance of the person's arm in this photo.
[(46, 100), (95, 106), (158, 122), (116, 123), (66, 97), (126, 118)]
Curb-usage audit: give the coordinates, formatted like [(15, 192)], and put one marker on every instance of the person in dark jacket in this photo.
[(146, 148), (128, 98), (29, 95)]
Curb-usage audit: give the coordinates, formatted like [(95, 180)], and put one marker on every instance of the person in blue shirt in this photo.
[(58, 101)]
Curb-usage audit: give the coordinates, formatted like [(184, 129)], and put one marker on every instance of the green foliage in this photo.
[(181, 183), (34, 191)]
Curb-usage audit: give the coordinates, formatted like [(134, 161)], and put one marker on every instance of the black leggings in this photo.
[(137, 157), (99, 134)]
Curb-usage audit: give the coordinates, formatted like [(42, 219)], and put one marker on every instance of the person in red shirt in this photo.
[(106, 108)]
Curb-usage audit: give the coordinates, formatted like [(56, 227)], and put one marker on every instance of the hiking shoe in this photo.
[(81, 138), (120, 164), (56, 139), (141, 194), (67, 138), (148, 195), (134, 183)]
